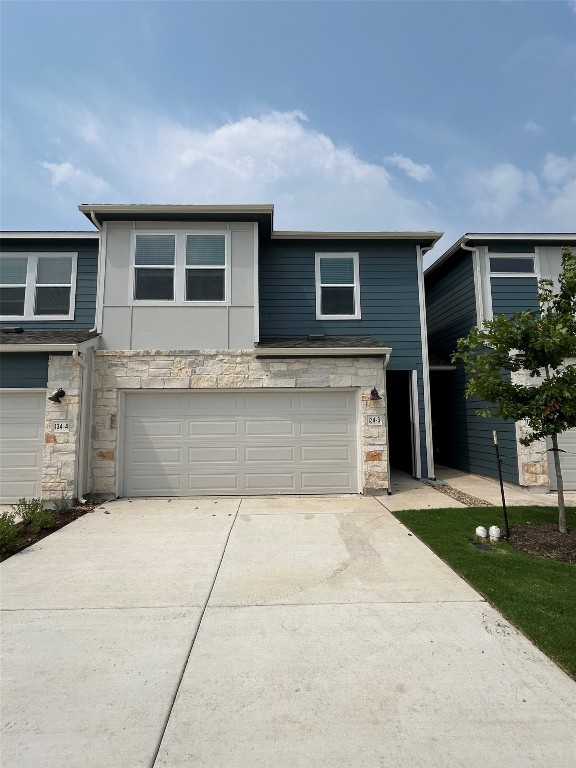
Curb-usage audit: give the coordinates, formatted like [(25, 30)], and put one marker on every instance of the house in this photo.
[(235, 359), (47, 334), (480, 276)]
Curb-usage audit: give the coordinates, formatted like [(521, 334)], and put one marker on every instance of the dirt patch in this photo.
[(26, 538), (463, 498), (544, 540)]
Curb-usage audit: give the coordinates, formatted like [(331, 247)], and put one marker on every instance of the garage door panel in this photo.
[(267, 445), (22, 417), (567, 442), (140, 428)]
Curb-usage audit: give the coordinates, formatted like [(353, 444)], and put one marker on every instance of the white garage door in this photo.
[(21, 445), (227, 443), (567, 442)]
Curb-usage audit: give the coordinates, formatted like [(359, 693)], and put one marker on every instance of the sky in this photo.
[(456, 116)]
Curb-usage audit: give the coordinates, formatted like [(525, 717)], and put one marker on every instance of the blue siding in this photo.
[(23, 369), (513, 294), (388, 298), (86, 278), (462, 439)]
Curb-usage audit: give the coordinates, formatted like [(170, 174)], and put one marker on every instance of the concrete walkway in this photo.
[(235, 633)]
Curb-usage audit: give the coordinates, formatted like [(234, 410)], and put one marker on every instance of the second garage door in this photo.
[(567, 442), (227, 443), (21, 444)]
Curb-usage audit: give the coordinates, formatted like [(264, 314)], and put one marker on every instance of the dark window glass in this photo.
[(52, 300), (512, 265), (154, 284), (338, 301), (205, 285), (12, 301)]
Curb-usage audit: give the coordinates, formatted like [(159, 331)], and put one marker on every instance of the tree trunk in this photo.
[(562, 527)]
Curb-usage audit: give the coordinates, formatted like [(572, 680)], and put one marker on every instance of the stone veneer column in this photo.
[(532, 459), (229, 369), (61, 448)]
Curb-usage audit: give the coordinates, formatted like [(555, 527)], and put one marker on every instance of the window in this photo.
[(37, 286), (337, 286), (515, 265), (181, 268)]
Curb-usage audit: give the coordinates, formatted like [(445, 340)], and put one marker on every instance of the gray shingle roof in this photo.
[(15, 335)]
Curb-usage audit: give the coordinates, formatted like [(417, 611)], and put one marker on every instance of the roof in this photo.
[(20, 339), (47, 235), (319, 344), (478, 238), (261, 213)]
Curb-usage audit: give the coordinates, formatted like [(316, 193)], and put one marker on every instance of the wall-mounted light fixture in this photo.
[(374, 395), (57, 395)]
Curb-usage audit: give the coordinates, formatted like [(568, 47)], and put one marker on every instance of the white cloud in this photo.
[(66, 175), (501, 189), (274, 157), (416, 171), (530, 126), (557, 170)]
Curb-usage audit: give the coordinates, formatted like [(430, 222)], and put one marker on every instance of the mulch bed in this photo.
[(27, 538), (544, 540)]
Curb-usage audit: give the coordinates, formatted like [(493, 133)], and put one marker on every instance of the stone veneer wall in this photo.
[(228, 369), (532, 459), (61, 449)]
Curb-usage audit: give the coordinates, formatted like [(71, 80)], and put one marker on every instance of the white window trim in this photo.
[(488, 275), (180, 267), (30, 287), (356, 261)]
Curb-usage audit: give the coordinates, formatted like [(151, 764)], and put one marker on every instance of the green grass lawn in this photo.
[(535, 594)]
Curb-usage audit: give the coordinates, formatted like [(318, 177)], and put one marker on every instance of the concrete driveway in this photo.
[(232, 633)]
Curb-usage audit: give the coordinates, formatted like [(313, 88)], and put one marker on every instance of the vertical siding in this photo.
[(23, 369), (462, 439), (86, 275), (513, 294), (388, 298)]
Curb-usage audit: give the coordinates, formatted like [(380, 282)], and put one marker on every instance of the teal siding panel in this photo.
[(513, 294), (388, 297), (23, 370), (462, 439), (86, 279)]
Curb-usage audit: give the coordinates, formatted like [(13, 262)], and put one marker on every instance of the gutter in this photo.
[(324, 352)]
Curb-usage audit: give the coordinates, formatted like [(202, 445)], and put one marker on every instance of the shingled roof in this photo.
[(21, 336)]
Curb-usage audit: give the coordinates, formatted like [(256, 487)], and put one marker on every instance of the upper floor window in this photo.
[(37, 286), (506, 264), (181, 268), (337, 286)]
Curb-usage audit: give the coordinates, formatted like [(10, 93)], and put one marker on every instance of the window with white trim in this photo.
[(504, 264), (182, 268), (337, 286), (38, 286)]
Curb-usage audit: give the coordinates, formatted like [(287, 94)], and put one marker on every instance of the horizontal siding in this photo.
[(86, 279), (513, 294), (450, 305), (388, 298), (23, 370)]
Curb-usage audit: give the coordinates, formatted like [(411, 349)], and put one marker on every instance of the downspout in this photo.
[(83, 413), (388, 475), (425, 363), (101, 273), (477, 283)]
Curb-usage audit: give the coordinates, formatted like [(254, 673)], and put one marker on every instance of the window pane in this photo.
[(52, 301), (155, 249), (54, 271), (339, 271), (206, 250), (512, 265), (205, 285), (13, 270), (337, 301), (154, 284), (12, 301)]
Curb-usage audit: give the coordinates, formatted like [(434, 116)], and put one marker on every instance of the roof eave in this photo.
[(323, 351)]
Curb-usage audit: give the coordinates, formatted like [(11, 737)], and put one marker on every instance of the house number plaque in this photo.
[(374, 421), (61, 426)]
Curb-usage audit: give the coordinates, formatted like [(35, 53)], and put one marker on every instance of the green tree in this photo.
[(540, 342)]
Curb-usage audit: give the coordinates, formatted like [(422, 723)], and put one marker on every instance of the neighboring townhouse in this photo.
[(47, 317), (234, 359), (478, 277)]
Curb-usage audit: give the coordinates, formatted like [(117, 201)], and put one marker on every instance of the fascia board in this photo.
[(427, 237), (40, 347), (36, 235), (323, 352)]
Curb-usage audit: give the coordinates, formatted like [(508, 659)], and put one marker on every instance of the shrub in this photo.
[(40, 519), (28, 508), (62, 504), (8, 532)]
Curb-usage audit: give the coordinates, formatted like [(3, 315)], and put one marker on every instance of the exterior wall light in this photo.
[(57, 395), (374, 395)]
